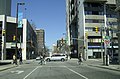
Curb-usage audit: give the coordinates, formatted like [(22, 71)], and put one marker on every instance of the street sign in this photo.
[(107, 40)]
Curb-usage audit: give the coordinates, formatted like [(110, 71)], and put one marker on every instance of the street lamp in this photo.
[(16, 30)]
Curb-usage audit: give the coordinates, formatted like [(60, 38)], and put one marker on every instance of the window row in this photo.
[(94, 21)]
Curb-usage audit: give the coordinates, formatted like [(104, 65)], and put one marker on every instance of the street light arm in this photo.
[(78, 39)]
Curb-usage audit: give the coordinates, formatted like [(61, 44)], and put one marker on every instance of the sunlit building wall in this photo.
[(26, 37), (82, 18)]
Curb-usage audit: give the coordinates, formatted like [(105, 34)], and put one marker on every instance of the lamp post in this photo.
[(16, 30)]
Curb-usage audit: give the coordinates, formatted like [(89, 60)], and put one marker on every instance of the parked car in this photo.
[(57, 57)]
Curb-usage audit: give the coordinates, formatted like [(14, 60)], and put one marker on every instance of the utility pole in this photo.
[(16, 35), (16, 48), (102, 54)]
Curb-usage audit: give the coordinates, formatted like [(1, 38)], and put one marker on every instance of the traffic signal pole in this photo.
[(106, 56), (3, 39), (102, 53), (16, 35)]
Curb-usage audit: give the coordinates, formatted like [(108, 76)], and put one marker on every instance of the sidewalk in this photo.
[(6, 64), (99, 63), (5, 67)]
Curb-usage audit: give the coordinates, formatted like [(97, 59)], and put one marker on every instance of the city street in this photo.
[(58, 70)]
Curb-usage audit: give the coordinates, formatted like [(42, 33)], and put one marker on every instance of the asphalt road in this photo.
[(58, 70)]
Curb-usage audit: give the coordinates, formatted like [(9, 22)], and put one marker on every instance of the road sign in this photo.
[(107, 40)]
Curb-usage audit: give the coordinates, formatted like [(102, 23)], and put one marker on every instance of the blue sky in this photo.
[(45, 14)]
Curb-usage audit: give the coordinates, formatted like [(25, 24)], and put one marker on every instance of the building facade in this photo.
[(29, 41), (118, 11), (83, 17), (26, 39), (40, 41), (72, 25), (5, 7)]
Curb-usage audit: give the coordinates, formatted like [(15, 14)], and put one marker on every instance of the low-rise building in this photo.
[(26, 38)]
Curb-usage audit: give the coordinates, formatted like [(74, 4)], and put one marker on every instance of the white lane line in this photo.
[(77, 73), (61, 66), (31, 72)]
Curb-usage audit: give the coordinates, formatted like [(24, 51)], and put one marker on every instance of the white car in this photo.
[(37, 58), (57, 57)]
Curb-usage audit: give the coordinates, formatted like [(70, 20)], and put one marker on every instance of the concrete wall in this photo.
[(24, 39)]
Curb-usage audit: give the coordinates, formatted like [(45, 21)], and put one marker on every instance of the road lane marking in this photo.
[(17, 71), (60, 66), (31, 72), (77, 73)]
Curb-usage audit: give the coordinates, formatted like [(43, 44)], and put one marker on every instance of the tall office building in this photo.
[(5, 7), (85, 19), (40, 41), (72, 27)]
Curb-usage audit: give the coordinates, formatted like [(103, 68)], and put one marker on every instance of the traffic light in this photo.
[(14, 37), (62, 40), (3, 32), (86, 34), (96, 29)]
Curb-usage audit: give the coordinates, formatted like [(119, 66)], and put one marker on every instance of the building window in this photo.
[(88, 12), (88, 29), (95, 12), (101, 13), (94, 20), (97, 40)]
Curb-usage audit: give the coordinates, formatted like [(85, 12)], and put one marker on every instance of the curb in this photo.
[(104, 67)]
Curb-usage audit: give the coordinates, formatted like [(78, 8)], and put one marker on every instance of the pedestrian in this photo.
[(20, 54), (80, 58), (21, 60), (41, 60), (44, 56), (14, 58), (70, 55)]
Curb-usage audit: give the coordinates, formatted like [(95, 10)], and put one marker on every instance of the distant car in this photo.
[(37, 58), (57, 57)]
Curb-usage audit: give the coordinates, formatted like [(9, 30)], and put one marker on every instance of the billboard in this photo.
[(20, 17)]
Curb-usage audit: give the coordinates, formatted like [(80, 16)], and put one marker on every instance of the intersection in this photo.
[(58, 70)]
